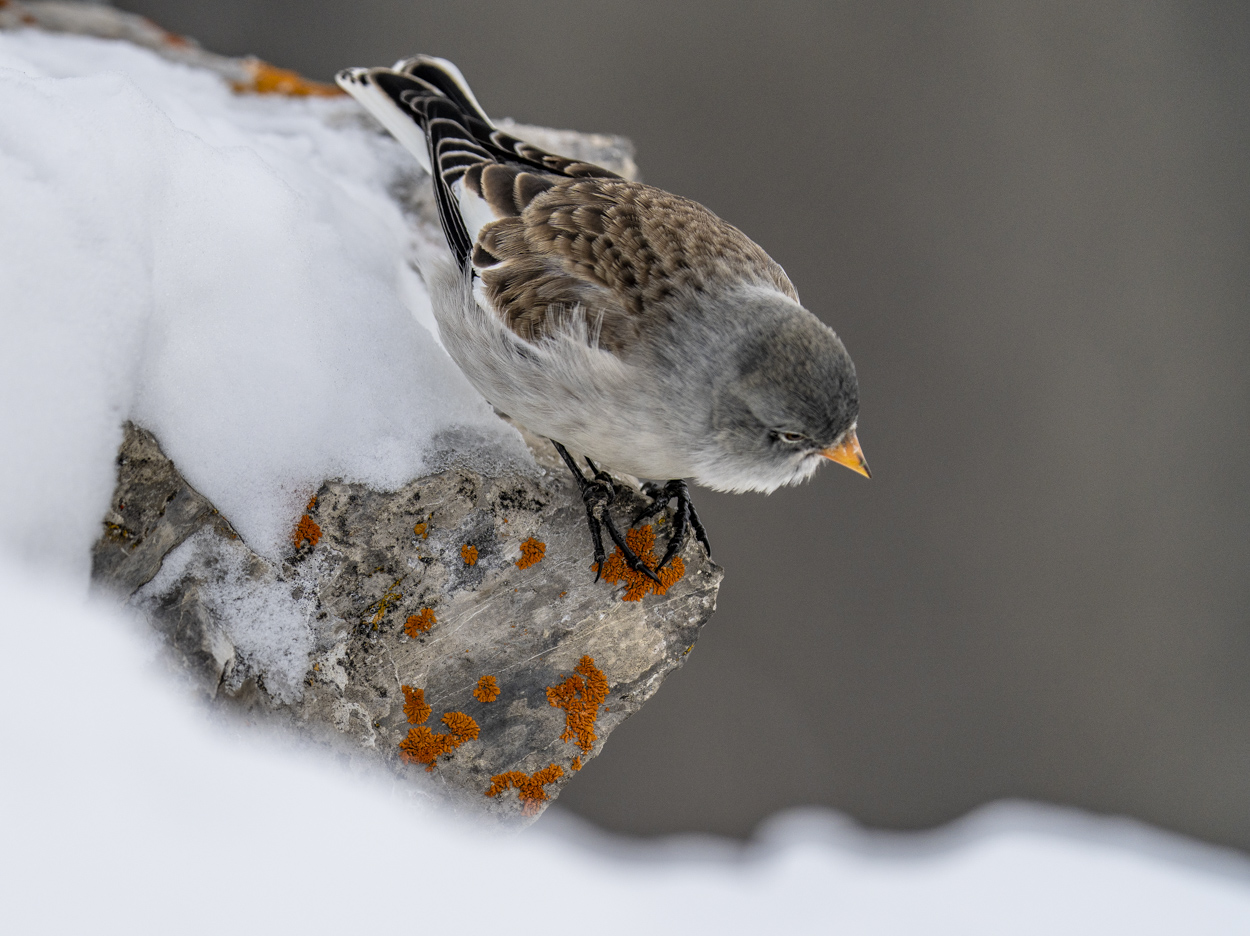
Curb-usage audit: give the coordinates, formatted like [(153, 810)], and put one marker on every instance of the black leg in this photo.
[(598, 494), (684, 516), (601, 476), (699, 533), (660, 496), (606, 517)]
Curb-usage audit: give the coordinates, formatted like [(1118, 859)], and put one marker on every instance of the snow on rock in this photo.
[(230, 271)]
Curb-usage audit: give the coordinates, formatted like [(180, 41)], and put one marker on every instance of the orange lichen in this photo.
[(422, 530), (468, 554), (577, 762), (532, 551), (529, 787), (423, 746), (307, 530), (487, 689), (462, 727), (269, 79), (580, 695), (415, 707), (637, 585), (418, 624)]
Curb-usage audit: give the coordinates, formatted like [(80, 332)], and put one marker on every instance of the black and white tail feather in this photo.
[(428, 106)]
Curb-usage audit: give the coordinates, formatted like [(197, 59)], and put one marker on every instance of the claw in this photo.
[(631, 558), (597, 495), (684, 516), (659, 500)]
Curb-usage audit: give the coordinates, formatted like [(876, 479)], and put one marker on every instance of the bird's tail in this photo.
[(428, 107)]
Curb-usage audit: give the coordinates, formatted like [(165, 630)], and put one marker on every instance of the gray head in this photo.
[(789, 400)]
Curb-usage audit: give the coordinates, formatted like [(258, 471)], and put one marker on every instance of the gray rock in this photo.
[(323, 641)]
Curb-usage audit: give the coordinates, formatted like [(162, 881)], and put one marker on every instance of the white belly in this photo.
[(564, 388)]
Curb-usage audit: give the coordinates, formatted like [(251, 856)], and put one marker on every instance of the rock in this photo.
[(153, 512), (474, 592)]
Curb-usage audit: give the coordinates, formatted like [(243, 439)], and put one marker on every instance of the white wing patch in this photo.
[(474, 210)]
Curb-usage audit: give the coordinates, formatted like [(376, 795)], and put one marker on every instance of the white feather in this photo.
[(403, 64), (402, 126), (474, 210)]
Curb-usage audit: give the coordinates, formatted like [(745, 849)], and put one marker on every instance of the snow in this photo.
[(233, 273), (123, 807), (228, 271)]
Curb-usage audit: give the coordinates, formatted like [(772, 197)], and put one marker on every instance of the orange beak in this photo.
[(850, 454)]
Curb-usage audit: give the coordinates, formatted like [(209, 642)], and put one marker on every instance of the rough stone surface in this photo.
[(352, 593)]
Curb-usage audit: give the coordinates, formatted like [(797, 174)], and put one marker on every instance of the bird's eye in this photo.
[(791, 437)]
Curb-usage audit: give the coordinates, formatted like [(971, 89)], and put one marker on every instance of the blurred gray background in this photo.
[(1030, 224)]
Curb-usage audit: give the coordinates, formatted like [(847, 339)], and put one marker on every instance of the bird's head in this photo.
[(788, 401)]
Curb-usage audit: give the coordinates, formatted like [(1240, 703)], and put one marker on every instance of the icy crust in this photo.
[(230, 271)]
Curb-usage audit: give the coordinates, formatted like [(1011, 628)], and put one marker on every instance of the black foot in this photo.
[(598, 494), (684, 516)]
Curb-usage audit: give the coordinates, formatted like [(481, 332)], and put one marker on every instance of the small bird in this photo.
[(632, 326)]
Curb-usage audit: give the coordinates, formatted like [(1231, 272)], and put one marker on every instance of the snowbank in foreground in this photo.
[(105, 828), (230, 271)]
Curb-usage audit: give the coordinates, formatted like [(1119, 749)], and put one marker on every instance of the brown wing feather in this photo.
[(615, 249)]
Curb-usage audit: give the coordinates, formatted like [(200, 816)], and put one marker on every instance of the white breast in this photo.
[(563, 388)]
